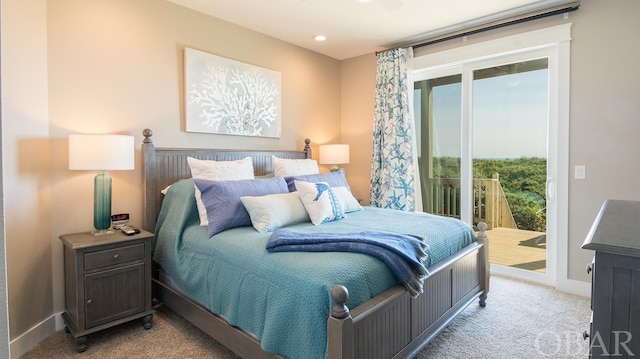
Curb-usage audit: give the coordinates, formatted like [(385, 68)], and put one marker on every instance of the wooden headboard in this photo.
[(164, 166)]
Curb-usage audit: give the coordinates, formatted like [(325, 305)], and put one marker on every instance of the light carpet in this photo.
[(521, 320)]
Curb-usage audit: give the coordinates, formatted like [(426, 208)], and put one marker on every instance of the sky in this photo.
[(509, 116)]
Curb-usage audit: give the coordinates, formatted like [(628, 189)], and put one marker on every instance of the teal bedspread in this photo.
[(283, 298)]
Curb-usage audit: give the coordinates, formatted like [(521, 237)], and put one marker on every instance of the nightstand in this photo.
[(107, 282)]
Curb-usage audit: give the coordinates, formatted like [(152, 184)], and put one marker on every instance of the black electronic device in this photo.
[(118, 220)]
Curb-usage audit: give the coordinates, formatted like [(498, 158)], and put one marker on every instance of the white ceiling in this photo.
[(354, 27)]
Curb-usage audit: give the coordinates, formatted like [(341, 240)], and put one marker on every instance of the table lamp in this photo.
[(334, 155), (101, 153)]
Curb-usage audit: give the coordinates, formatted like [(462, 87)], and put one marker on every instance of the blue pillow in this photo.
[(222, 200), (334, 179)]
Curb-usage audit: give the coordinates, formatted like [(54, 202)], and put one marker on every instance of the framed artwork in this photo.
[(229, 97)]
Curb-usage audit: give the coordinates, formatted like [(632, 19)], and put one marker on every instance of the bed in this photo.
[(378, 319)]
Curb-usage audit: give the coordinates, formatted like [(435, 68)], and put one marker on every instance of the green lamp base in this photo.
[(102, 204)]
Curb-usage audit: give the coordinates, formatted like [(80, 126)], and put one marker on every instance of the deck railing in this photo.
[(489, 202)]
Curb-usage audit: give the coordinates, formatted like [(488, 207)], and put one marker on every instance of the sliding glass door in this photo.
[(484, 143), (510, 105)]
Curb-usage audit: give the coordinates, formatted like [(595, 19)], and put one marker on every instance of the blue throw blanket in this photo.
[(403, 254)]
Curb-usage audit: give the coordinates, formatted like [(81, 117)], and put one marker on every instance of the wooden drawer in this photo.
[(109, 257)]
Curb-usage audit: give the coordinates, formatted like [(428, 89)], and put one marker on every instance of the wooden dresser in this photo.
[(615, 293)]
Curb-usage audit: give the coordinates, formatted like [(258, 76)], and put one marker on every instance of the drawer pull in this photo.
[(585, 335), (89, 301), (116, 256), (589, 268)]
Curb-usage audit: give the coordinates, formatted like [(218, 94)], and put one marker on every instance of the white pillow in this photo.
[(218, 171), (293, 167), (348, 202), (273, 211), (320, 201)]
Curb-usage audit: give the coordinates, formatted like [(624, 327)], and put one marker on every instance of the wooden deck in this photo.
[(518, 248)]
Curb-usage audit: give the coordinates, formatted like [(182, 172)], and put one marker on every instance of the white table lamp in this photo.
[(334, 155), (101, 153)]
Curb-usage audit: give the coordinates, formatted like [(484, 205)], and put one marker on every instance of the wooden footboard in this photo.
[(394, 325)]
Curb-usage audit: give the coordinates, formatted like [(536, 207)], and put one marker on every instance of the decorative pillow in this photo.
[(320, 201), (218, 171), (222, 200), (273, 211), (334, 179), (348, 202), (294, 167)]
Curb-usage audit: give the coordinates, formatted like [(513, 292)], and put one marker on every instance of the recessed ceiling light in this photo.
[(319, 37)]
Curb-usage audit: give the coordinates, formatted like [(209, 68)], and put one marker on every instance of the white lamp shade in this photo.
[(101, 152), (334, 154)]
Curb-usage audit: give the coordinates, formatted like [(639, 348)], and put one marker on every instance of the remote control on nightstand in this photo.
[(129, 231)]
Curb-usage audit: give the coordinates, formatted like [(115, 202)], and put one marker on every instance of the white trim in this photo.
[(466, 150), (563, 282), (417, 188), (39, 332), (503, 46), (503, 17), (576, 287), (518, 273)]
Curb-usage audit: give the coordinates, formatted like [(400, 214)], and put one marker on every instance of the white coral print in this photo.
[(238, 100)]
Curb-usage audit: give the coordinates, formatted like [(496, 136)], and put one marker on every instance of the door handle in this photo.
[(551, 190)]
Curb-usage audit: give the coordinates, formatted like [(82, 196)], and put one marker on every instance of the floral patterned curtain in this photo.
[(394, 178)]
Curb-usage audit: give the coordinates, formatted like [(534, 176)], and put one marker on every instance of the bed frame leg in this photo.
[(484, 240), (483, 300), (340, 326)]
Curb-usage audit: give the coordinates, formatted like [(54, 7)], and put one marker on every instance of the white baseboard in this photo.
[(576, 287), (571, 286), (522, 274), (39, 332)]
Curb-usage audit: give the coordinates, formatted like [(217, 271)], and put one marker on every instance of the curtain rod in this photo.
[(490, 25)]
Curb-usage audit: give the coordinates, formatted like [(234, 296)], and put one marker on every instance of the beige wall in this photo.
[(358, 85), (605, 115), (26, 166), (116, 66), (604, 105)]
